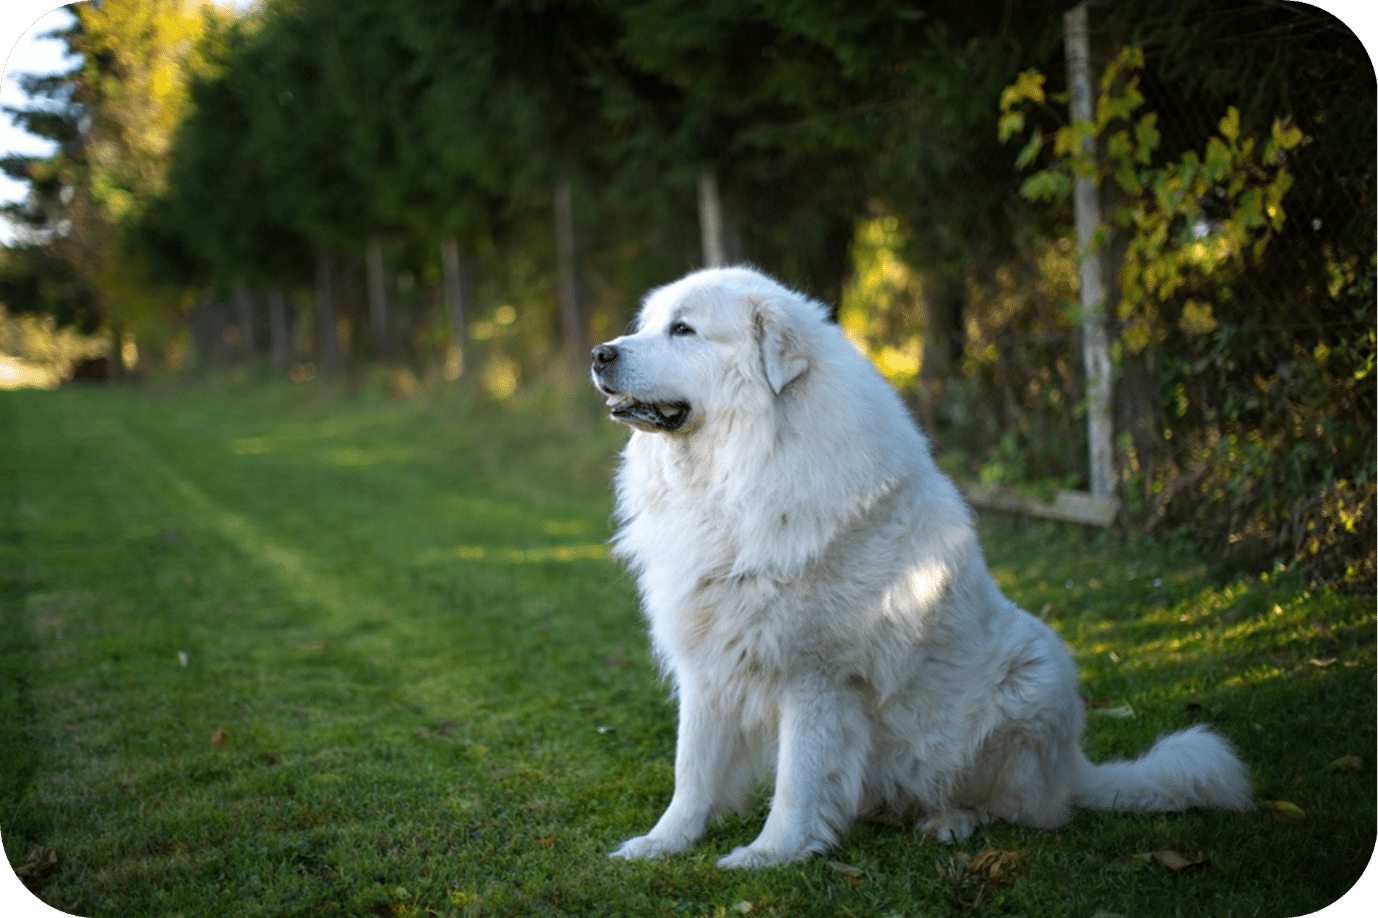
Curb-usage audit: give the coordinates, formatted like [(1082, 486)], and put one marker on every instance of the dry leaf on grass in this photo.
[(847, 870), (220, 738), (35, 871), (1284, 811), (993, 867), (1175, 860), (855, 875), (1347, 763)]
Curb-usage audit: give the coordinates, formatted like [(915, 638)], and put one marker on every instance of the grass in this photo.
[(275, 651)]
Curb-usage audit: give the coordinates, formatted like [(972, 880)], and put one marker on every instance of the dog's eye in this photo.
[(679, 328)]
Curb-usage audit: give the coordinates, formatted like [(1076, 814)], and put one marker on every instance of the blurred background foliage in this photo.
[(226, 186)]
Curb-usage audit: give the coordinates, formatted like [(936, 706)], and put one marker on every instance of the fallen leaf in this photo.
[(847, 870), (220, 738), (993, 867), (1119, 712), (1347, 763), (1284, 811), (1322, 664), (1176, 861), (35, 871), (546, 842)]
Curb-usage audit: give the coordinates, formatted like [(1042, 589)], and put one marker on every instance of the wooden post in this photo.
[(710, 221), (1095, 343)]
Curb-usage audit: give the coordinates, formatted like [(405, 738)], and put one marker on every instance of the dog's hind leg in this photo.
[(824, 745), (708, 755)]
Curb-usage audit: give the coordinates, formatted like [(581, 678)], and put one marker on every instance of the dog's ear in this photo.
[(782, 351)]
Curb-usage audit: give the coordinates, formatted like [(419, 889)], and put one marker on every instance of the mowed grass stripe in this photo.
[(297, 578)]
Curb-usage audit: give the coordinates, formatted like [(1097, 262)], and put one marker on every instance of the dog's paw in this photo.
[(950, 826), (749, 856), (646, 846)]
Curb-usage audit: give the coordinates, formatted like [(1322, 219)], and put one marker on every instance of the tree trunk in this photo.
[(202, 330), (710, 221), (573, 318), (244, 315), (456, 307), (115, 365), (325, 316), (377, 298), (1095, 341), (943, 337), (219, 353), (277, 327)]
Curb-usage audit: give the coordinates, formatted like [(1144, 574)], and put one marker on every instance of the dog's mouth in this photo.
[(667, 416)]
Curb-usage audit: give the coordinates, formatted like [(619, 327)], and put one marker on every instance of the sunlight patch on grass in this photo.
[(596, 550), (352, 456)]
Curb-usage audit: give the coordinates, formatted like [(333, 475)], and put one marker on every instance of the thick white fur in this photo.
[(816, 593)]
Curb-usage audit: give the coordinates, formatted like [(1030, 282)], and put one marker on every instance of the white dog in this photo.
[(816, 593)]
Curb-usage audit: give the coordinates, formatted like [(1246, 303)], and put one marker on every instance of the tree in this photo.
[(114, 121)]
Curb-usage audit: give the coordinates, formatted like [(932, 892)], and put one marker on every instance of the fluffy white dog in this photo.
[(816, 593)]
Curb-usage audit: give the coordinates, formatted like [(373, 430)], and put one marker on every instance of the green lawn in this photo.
[(283, 652)]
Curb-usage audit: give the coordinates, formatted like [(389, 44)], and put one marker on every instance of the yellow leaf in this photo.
[(1229, 125), (1286, 136), (1284, 811), (1028, 85)]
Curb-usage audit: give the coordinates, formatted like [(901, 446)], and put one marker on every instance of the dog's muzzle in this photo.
[(668, 416)]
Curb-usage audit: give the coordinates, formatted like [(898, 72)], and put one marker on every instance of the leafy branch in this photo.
[(1191, 223)]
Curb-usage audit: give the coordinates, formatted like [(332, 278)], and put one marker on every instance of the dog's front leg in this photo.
[(824, 745), (705, 753)]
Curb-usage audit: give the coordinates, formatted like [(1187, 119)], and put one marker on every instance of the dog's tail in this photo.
[(1192, 767)]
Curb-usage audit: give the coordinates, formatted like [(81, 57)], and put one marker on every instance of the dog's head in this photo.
[(716, 340)]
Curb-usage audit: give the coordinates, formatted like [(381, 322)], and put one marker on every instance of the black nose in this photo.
[(603, 355)]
